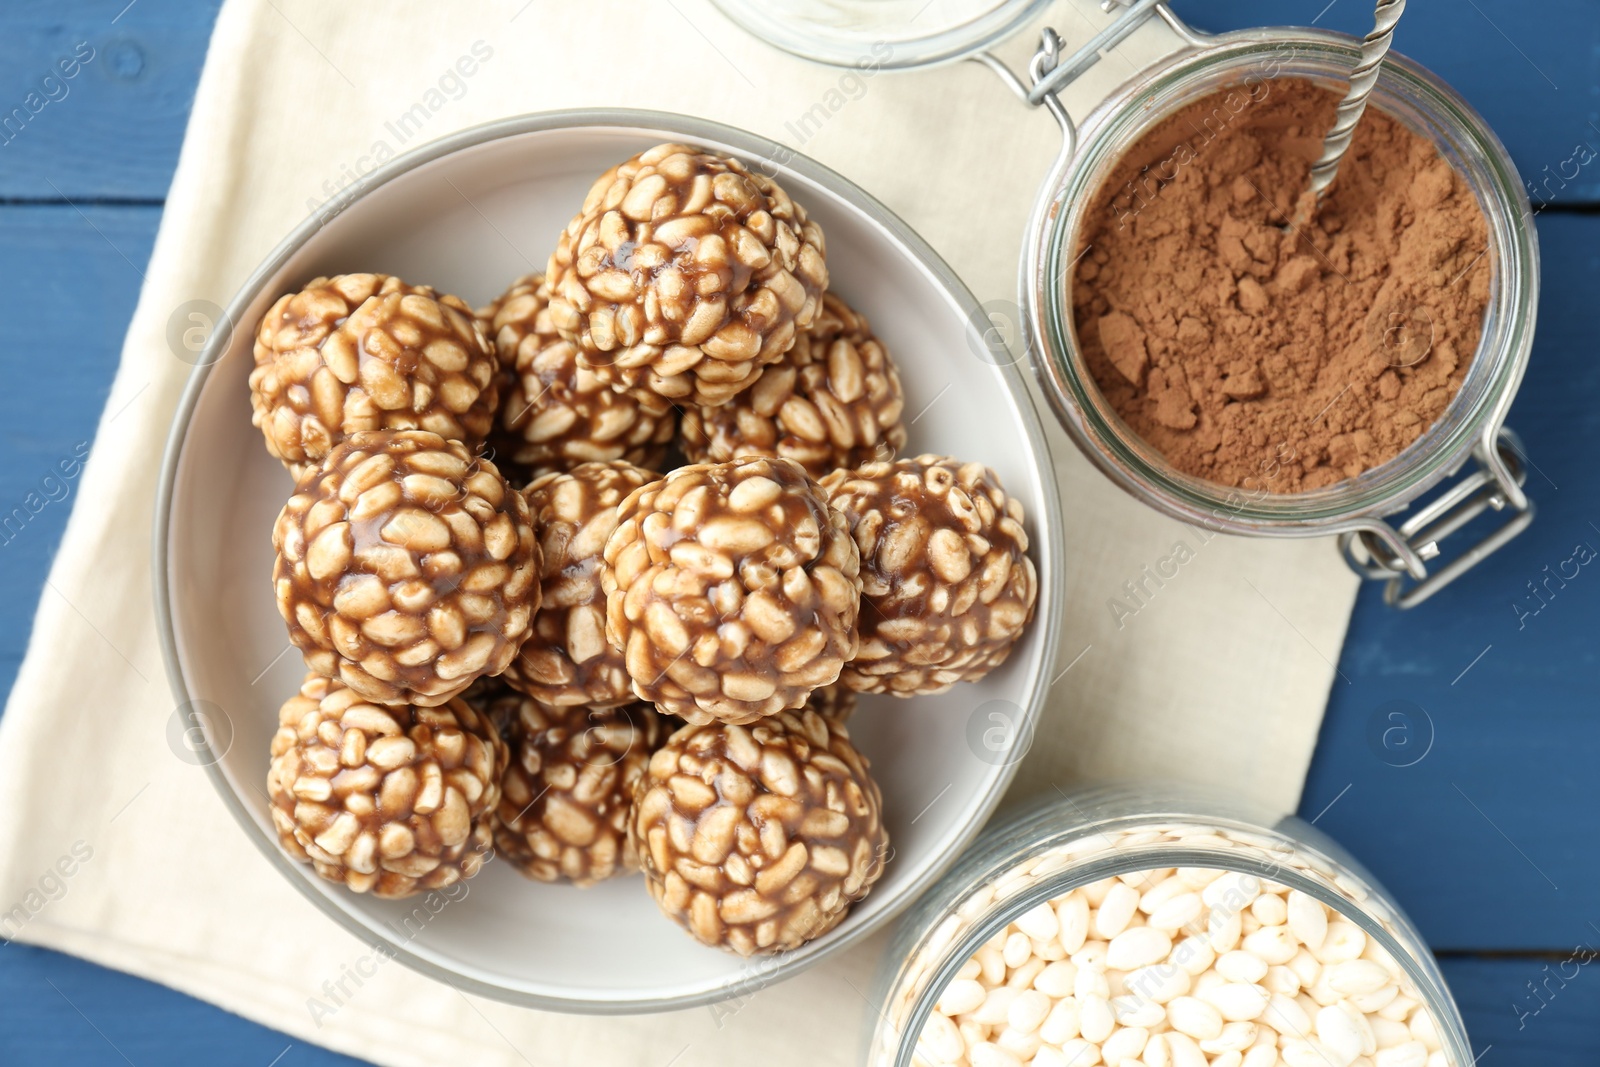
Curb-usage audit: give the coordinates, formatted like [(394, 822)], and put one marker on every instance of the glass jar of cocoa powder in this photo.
[(1360, 509), (1364, 486), (1240, 936)]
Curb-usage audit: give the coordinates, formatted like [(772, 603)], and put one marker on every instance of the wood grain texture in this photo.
[(1479, 838), (112, 130), (1525, 1013), (72, 277), (65, 1011), (1484, 839), (117, 131)]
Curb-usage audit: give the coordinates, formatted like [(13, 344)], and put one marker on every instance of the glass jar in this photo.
[(1357, 509), (1049, 849)]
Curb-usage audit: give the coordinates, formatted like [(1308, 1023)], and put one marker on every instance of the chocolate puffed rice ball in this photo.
[(684, 274), (758, 839), (732, 590), (555, 413), (947, 585), (568, 790), (566, 659), (406, 567), (369, 352), (391, 800), (831, 401)]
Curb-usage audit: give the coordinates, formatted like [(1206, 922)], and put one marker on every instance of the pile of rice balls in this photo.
[(591, 577)]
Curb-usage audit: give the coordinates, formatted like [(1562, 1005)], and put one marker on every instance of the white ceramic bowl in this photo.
[(468, 214)]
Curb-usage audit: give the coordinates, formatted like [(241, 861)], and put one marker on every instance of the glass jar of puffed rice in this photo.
[(1160, 929)]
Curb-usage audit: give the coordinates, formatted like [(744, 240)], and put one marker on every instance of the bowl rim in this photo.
[(1047, 527)]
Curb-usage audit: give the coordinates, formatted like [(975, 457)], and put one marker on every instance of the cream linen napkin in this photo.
[(1221, 678)]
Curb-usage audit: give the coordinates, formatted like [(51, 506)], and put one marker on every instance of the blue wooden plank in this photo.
[(1475, 809), (72, 277), (94, 95), (62, 1010), (116, 131), (1532, 1011), (1530, 69)]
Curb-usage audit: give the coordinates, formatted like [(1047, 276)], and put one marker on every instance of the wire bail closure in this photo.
[(1048, 73), (1399, 557)]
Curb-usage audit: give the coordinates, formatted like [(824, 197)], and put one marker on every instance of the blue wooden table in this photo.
[(1476, 805)]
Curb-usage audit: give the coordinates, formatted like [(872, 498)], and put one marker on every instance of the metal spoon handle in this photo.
[(1362, 80)]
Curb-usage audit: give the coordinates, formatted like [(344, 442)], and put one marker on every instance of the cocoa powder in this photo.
[(1263, 356)]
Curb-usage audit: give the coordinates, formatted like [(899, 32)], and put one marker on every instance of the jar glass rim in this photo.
[(878, 35), (1110, 862), (1413, 96)]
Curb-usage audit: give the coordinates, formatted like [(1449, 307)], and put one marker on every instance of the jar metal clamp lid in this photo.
[(1174, 66)]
